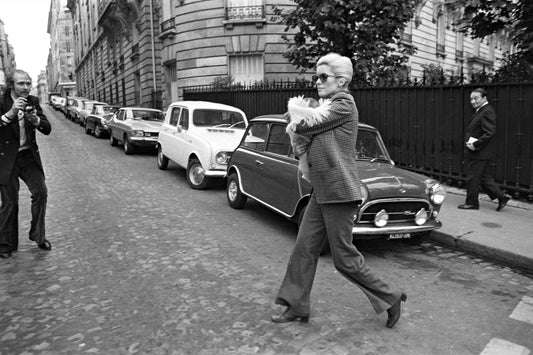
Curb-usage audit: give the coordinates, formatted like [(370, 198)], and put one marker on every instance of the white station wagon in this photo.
[(200, 136)]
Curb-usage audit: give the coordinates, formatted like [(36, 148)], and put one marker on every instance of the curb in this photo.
[(510, 259)]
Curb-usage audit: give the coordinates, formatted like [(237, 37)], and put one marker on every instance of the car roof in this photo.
[(278, 118), (205, 104), (138, 108)]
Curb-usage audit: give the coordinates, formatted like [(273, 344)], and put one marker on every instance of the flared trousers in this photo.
[(333, 221)]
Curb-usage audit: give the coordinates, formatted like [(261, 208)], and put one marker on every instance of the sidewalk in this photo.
[(505, 236)]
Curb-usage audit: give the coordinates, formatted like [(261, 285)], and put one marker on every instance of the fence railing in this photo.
[(422, 126)]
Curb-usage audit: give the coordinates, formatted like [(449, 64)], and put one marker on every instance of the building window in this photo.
[(475, 47), (459, 45), (441, 35), (247, 69), (407, 33)]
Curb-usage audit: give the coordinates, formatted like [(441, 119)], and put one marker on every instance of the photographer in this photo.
[(20, 115)]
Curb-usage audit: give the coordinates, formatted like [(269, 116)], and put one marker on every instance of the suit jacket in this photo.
[(10, 136), (331, 154), (482, 127)]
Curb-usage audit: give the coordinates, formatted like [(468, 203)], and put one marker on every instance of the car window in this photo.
[(278, 140), (220, 118), (184, 119), (146, 115), (256, 136), (368, 146), (174, 116), (121, 115)]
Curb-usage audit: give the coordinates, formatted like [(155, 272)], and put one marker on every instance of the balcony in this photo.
[(168, 29), (245, 14), (105, 8)]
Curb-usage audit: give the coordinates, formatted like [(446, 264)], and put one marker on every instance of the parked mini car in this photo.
[(86, 110), (74, 106), (97, 120), (135, 127), (397, 204), (200, 136)]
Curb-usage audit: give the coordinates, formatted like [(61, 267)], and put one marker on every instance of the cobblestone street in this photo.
[(142, 264)]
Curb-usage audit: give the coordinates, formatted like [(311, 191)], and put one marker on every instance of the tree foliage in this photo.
[(364, 30), (486, 17)]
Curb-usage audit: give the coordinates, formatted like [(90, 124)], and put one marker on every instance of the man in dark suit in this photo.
[(480, 149), (20, 115)]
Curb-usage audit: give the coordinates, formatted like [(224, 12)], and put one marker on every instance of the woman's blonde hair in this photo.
[(340, 65)]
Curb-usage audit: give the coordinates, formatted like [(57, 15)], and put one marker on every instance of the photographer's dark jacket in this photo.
[(10, 135)]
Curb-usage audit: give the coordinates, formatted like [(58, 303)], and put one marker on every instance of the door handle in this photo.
[(259, 163)]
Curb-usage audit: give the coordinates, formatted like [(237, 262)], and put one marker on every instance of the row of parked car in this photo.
[(214, 141)]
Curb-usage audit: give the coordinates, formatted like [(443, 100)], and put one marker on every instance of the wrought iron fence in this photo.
[(422, 126)]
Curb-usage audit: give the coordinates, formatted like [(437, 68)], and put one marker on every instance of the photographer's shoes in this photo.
[(46, 245)]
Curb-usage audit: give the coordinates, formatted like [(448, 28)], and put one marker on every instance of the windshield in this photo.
[(218, 118), (147, 115), (369, 146)]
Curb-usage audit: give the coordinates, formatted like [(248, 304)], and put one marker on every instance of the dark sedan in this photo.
[(397, 204), (96, 121)]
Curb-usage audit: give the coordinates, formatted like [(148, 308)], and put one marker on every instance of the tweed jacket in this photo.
[(482, 127), (10, 136), (331, 155)]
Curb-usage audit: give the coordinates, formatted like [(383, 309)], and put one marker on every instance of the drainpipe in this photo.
[(153, 50)]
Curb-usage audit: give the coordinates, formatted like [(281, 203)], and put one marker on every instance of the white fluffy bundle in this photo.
[(306, 110)]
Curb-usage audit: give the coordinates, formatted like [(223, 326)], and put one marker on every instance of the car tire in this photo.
[(195, 175), (112, 139), (236, 199), (87, 129), (417, 239), (129, 148), (162, 160), (80, 122), (97, 131)]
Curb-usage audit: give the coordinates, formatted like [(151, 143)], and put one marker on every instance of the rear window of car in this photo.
[(211, 118), (146, 115)]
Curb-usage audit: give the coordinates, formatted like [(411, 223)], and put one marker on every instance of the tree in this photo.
[(483, 18), (367, 31)]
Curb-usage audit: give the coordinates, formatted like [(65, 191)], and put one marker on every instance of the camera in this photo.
[(29, 109)]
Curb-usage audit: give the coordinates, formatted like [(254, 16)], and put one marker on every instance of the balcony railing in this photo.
[(245, 12), (168, 28)]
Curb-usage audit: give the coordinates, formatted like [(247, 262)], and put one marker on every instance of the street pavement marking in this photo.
[(524, 310), (498, 346)]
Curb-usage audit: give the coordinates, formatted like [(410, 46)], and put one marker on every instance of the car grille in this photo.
[(398, 211)]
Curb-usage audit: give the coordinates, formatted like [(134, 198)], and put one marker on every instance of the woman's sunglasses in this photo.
[(323, 77)]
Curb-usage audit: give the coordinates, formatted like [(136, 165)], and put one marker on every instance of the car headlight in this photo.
[(437, 193), (222, 157), (381, 219), (421, 217), (137, 133)]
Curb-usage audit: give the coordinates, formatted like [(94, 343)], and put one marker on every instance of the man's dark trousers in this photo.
[(27, 169), (478, 174)]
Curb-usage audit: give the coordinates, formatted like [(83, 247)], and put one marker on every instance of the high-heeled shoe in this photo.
[(395, 311), (289, 316)]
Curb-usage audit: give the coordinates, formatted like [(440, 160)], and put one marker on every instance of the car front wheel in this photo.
[(97, 131), (87, 129), (234, 194), (196, 175), (128, 147), (162, 160), (112, 139)]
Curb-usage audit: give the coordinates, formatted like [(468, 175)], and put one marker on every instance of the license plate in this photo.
[(399, 236)]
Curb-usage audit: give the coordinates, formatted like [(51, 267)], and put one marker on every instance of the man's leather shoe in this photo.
[(46, 245), (395, 311), (289, 316), (502, 202), (468, 207), (5, 254)]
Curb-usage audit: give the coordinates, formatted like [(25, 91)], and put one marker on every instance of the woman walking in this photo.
[(333, 203)]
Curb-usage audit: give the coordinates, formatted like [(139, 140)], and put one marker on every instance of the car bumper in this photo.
[(372, 231), (144, 141), (215, 173)]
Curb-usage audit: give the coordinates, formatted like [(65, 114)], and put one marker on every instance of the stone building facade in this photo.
[(117, 54), (60, 66), (7, 57)]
